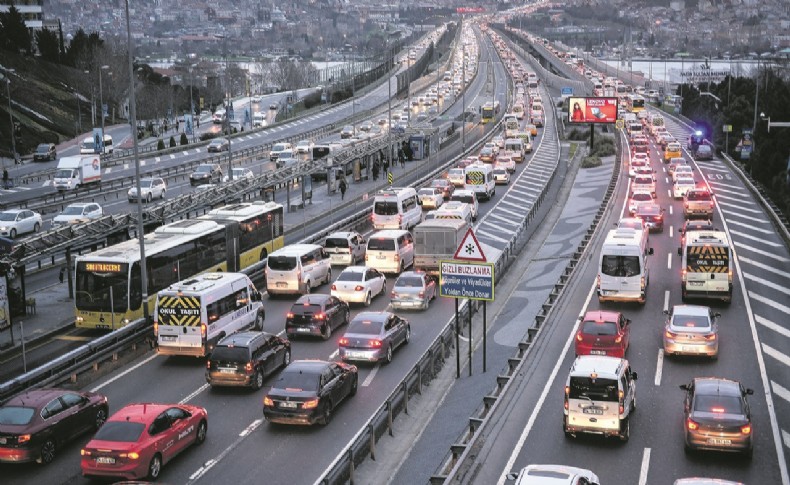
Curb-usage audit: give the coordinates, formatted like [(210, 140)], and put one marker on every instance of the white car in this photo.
[(151, 188), (76, 213), (430, 197), (682, 185), (239, 172), (359, 284), (19, 221), (553, 475), (456, 176), (499, 141), (682, 171), (304, 146), (639, 197), (493, 146), (501, 176), (507, 163), (467, 197)]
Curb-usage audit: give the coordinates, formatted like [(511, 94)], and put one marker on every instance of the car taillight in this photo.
[(746, 429), (618, 339), (156, 328), (320, 316), (642, 282), (598, 282), (692, 425), (132, 455), (334, 287), (311, 404), (359, 288), (208, 364), (376, 344), (289, 315), (203, 330), (84, 452), (248, 367), (342, 342), (711, 337), (267, 401), (579, 336), (669, 334), (397, 257), (23, 438), (393, 294), (422, 294)]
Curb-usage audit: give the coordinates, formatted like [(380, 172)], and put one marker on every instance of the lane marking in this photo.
[(334, 354), (124, 373), (786, 438), (772, 352), (738, 207), (645, 466), (767, 283), (780, 391), (659, 367), (252, 427), (489, 235), (761, 252), (195, 393), (666, 300), (670, 232), (670, 210), (771, 325), (669, 260), (756, 238), (371, 375), (782, 308), (73, 338), (751, 219), (210, 463), (752, 228)]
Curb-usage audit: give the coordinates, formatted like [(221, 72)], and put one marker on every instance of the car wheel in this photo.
[(12, 234), (407, 338), (308, 287), (625, 429), (100, 418), (327, 413), (155, 467), (354, 385), (388, 357), (328, 277), (47, 452), (258, 325), (36, 227), (633, 404), (162, 195), (257, 380), (286, 358), (326, 331), (346, 317), (148, 198), (367, 299), (201, 433)]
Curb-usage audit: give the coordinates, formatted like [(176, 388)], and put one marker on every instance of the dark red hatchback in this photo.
[(34, 425), (603, 333)]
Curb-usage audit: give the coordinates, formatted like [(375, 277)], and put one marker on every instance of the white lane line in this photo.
[(157, 159), (751, 227), (107, 170), (659, 367), (334, 354), (185, 152), (666, 300), (780, 391), (755, 238), (503, 219), (489, 235), (670, 232), (670, 210), (669, 194), (124, 373), (252, 427), (782, 308), (172, 157), (544, 394), (786, 438), (666, 180), (497, 227), (738, 207), (772, 352), (737, 197), (370, 376), (773, 286), (751, 219), (192, 396), (669, 260), (210, 463), (772, 326), (645, 466), (761, 252)]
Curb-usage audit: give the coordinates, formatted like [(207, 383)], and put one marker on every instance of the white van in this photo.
[(600, 395), (280, 150), (480, 180), (396, 208), (191, 316), (515, 149), (623, 273), (452, 210), (259, 120), (390, 251), (297, 269), (88, 146)]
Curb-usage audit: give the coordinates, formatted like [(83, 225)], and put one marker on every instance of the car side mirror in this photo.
[(666, 312), (717, 315), (750, 391), (628, 321), (511, 476), (650, 251), (634, 376), (680, 251), (684, 387)]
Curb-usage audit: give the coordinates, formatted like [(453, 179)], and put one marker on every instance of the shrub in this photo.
[(604, 146), (184, 139), (577, 134), (591, 162), (160, 145), (173, 142)]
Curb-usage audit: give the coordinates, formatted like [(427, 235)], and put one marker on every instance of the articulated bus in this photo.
[(108, 281), (635, 103), (260, 224)]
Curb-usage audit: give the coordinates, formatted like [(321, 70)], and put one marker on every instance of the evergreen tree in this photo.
[(14, 35), (48, 47)]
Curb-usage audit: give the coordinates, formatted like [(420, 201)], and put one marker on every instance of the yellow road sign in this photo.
[(619, 124)]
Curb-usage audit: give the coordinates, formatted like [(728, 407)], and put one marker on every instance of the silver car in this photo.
[(14, 222), (413, 290), (151, 188), (691, 330), (372, 336)]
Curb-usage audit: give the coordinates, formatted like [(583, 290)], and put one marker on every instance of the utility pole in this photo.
[(463, 96), (101, 107), (10, 118)]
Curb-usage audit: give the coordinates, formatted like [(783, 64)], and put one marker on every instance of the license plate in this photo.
[(281, 284), (596, 411), (688, 348), (303, 329), (597, 352), (227, 371), (288, 404), (105, 460), (719, 441), (696, 283), (381, 256), (168, 338)]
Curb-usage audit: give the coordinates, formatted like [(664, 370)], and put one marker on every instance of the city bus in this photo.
[(260, 225), (108, 281), (635, 103), (489, 111)]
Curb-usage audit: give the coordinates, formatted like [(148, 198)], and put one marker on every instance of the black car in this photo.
[(652, 216), (245, 358), (308, 391), (717, 416), (206, 173), (45, 152), (316, 314)]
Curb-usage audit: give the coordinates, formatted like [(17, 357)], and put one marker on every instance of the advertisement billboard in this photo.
[(470, 10), (592, 110)]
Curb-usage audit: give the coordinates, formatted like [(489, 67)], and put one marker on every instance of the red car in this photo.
[(36, 424), (140, 438), (603, 333)]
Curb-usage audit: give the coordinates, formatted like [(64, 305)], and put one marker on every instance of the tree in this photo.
[(14, 35), (184, 140), (48, 45)]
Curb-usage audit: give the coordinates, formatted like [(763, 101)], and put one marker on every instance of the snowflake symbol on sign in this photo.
[(470, 249)]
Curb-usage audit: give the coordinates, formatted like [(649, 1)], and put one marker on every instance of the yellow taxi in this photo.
[(672, 151)]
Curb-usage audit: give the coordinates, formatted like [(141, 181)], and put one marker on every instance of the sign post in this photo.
[(469, 275), (727, 130)]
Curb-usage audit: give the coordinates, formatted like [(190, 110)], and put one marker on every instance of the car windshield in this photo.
[(16, 415), (690, 321), (698, 195), (8, 216), (72, 211), (591, 327), (439, 183), (302, 309), (385, 208), (278, 147), (336, 242), (717, 404), (468, 199), (381, 244), (595, 389), (409, 282), (297, 380), (146, 183), (281, 263), (620, 265), (43, 148), (203, 169), (229, 354), (642, 197), (120, 431), (364, 327), (350, 276)]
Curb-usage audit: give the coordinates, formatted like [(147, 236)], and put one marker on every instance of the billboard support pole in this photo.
[(485, 329), (470, 337), (592, 135), (457, 342)]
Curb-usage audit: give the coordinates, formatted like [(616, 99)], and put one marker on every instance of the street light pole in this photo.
[(10, 119), (463, 97), (101, 107), (133, 123), (192, 101)]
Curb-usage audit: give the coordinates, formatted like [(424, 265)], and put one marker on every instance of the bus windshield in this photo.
[(95, 290)]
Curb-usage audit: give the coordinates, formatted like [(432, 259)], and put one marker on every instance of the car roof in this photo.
[(696, 310), (355, 269), (307, 366), (312, 299), (411, 273), (12, 211), (140, 412), (372, 316), (716, 386), (81, 204), (37, 397), (604, 366), (242, 339), (648, 208), (601, 315)]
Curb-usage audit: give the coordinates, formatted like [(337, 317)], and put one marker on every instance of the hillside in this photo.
[(44, 99)]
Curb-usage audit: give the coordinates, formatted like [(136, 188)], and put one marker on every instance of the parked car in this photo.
[(36, 424), (14, 222), (206, 173), (45, 151), (372, 337), (150, 188), (218, 145), (76, 213)]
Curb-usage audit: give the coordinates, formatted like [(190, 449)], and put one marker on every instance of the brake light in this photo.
[(669, 334), (132, 455), (208, 364), (621, 409), (320, 316), (642, 282), (248, 367), (422, 294), (289, 315), (618, 339), (397, 257), (683, 274), (376, 344), (691, 425), (393, 294), (84, 452), (579, 336), (366, 257), (358, 288), (156, 328), (334, 287), (342, 342), (746, 429), (267, 401), (23, 438), (311, 404), (203, 330), (598, 282), (710, 337)]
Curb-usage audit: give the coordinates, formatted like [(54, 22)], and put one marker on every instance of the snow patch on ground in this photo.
[(34, 113)]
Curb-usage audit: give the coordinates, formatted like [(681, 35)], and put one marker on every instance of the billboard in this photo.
[(470, 10), (592, 110)]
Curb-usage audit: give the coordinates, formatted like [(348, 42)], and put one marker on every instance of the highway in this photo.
[(237, 434), (753, 350)]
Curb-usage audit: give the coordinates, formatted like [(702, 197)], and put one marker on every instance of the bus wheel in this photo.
[(264, 254)]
